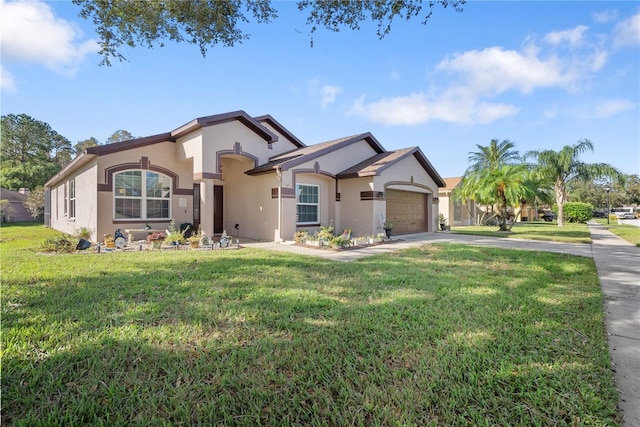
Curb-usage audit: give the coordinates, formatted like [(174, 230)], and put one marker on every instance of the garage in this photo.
[(407, 211)]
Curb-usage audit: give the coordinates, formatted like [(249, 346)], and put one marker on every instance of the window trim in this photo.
[(72, 199), (298, 203), (143, 198)]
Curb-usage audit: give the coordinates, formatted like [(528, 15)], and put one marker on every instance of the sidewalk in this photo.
[(618, 266)]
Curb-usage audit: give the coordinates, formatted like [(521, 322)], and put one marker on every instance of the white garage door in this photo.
[(407, 211)]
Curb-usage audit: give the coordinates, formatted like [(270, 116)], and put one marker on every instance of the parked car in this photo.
[(623, 213), (549, 216), (599, 214)]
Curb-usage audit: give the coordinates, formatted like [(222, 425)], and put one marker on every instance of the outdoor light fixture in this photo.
[(607, 189)]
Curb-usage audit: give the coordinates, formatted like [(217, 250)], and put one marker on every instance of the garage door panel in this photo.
[(407, 211)]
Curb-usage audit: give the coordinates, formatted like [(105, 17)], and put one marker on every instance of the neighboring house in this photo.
[(456, 211), (460, 212), (16, 201), (247, 175)]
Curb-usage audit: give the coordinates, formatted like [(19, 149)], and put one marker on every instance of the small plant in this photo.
[(387, 225), (156, 235), (195, 237), (175, 236), (340, 242), (62, 243), (83, 233), (442, 219), (326, 233), (301, 236)]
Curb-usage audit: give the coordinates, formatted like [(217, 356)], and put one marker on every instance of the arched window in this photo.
[(139, 194)]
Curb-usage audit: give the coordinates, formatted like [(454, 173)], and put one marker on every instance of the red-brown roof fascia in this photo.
[(239, 115), (277, 126), (116, 147), (330, 146), (397, 155)]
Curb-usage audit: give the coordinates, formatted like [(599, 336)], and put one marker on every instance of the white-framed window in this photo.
[(72, 199), (139, 194), (307, 204)]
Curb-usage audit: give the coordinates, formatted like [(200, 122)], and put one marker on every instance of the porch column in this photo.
[(206, 206)]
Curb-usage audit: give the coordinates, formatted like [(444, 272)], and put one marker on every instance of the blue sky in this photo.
[(541, 74)]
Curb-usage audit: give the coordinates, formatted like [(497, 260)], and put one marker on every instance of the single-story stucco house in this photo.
[(456, 211), (16, 200), (247, 175)]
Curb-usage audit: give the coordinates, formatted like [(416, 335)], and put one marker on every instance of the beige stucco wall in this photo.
[(247, 201), (357, 214), (327, 205), (86, 202)]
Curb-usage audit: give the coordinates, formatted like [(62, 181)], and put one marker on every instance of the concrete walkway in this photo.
[(618, 265)]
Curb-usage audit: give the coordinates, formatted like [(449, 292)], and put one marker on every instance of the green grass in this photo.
[(628, 232), (547, 231), (438, 335)]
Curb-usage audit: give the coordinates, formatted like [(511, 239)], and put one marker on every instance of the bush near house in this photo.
[(578, 212)]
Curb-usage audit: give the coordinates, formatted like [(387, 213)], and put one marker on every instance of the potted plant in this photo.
[(194, 239), (442, 220), (155, 239), (388, 226), (175, 236), (109, 241)]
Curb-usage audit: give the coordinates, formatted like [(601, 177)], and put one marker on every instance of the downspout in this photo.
[(279, 174)]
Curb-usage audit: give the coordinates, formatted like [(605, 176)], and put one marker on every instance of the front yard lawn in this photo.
[(547, 231), (439, 335)]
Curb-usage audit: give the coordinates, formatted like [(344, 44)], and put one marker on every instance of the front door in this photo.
[(217, 209), (196, 206)]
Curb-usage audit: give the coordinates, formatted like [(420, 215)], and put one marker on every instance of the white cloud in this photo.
[(32, 33), (612, 107), (325, 93), (627, 32), (574, 36), (418, 108), (329, 94), (495, 70), (605, 16), (7, 83)]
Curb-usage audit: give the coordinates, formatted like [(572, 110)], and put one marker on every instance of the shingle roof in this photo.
[(12, 196), (373, 165), (452, 183)]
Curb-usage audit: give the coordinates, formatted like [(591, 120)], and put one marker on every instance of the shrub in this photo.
[(578, 212), (300, 236), (62, 243), (326, 233), (83, 233), (339, 242)]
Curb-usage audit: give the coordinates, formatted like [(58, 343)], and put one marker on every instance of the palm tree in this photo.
[(562, 167), (492, 171), (507, 186), (493, 156)]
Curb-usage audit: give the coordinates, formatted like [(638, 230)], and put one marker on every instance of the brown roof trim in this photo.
[(239, 115), (426, 164), (116, 147), (353, 172), (277, 126), (76, 163), (368, 137)]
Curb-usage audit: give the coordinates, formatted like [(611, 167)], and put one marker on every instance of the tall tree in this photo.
[(497, 178), (119, 136), (493, 156), (564, 166), (83, 145), (31, 152), (206, 23)]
